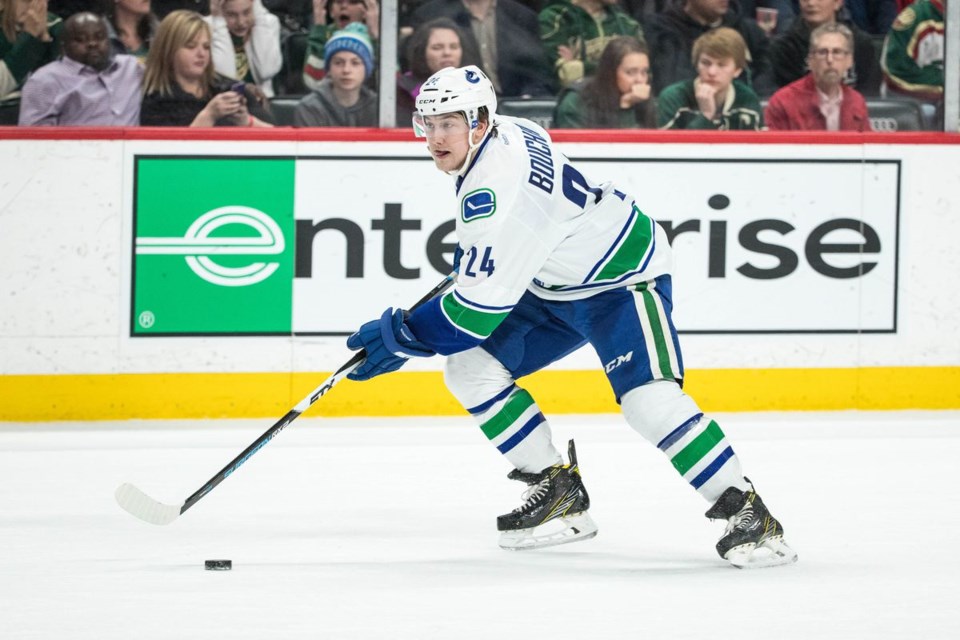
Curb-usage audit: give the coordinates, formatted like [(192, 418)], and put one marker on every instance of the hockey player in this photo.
[(552, 260)]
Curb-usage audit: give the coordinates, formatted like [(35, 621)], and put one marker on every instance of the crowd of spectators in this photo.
[(669, 64)]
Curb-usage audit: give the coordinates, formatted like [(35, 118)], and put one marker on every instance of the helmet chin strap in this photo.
[(470, 153)]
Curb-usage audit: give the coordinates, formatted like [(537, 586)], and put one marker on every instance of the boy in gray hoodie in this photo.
[(341, 99)]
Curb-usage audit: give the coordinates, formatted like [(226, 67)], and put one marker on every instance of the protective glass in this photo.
[(441, 125)]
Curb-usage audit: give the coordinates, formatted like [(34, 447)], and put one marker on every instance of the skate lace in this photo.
[(741, 520), (533, 496)]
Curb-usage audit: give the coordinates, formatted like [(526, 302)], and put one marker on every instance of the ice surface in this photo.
[(385, 529)]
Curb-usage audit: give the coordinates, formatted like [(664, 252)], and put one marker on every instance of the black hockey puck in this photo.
[(218, 565)]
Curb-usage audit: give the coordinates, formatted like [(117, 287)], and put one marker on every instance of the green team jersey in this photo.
[(564, 23), (573, 113), (912, 58), (677, 109)]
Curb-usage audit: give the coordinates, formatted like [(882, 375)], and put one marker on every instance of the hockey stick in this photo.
[(139, 504)]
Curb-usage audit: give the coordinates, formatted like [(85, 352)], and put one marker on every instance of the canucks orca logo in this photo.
[(472, 77), (478, 204)]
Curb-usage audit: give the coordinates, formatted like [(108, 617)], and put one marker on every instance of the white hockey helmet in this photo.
[(456, 89)]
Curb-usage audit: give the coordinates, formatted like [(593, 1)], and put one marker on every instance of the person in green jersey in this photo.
[(715, 99), (618, 97)]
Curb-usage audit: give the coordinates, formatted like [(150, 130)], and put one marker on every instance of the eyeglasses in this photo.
[(823, 53)]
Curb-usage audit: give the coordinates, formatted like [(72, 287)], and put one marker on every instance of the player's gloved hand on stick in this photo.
[(389, 343)]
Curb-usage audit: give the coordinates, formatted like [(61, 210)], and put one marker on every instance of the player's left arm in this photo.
[(505, 237), (456, 321), (502, 255)]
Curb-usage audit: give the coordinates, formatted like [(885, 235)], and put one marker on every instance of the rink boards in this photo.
[(163, 278)]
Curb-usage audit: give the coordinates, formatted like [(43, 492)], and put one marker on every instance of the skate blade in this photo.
[(773, 552), (564, 530)]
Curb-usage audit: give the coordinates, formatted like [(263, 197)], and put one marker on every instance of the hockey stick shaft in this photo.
[(268, 435)]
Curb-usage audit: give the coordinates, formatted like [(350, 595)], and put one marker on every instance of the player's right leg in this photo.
[(484, 381), (507, 414), (555, 502)]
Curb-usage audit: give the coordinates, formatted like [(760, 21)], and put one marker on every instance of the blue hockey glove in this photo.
[(389, 344)]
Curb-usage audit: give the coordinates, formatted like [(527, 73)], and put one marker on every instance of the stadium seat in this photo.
[(282, 108), (9, 114), (895, 114), (540, 110)]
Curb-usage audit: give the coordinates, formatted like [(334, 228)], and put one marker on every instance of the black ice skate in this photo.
[(753, 538), (554, 511)]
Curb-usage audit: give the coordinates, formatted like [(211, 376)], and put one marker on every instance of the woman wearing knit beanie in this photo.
[(341, 99)]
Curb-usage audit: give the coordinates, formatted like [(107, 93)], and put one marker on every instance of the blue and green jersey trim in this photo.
[(451, 323), (628, 256)]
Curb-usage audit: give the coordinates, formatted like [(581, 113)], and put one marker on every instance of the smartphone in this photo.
[(239, 87)]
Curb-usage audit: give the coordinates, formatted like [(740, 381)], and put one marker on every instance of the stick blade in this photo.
[(140, 505)]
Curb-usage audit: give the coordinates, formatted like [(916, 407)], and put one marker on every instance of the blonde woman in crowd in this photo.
[(180, 87)]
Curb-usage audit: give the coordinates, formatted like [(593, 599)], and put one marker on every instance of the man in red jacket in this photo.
[(820, 101)]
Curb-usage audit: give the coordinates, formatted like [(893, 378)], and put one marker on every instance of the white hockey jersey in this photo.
[(529, 220)]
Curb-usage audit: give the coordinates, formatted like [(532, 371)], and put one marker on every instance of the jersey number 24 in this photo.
[(485, 266)]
